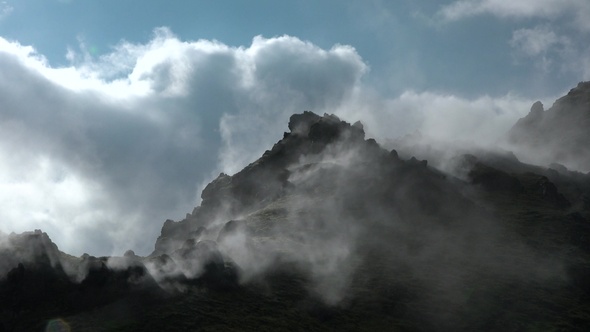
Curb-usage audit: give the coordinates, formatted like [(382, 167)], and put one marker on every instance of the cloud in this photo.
[(543, 45), (99, 153), (551, 52), (556, 43), (546, 9), (342, 201), (535, 41), (290, 76), (482, 120), (5, 10)]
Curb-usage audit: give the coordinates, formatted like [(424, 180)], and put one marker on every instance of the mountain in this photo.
[(559, 134), (328, 230)]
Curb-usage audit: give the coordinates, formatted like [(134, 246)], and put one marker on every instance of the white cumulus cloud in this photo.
[(578, 10), (99, 153)]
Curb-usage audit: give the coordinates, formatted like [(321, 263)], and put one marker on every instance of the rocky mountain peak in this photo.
[(583, 88), (558, 134), (533, 119), (576, 102), (326, 128), (30, 248), (537, 108), (300, 123), (331, 226), (229, 196)]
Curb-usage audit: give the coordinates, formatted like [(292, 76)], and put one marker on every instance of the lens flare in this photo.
[(57, 325), (93, 50)]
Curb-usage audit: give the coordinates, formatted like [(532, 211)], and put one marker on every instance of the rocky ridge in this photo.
[(328, 213), (559, 134)]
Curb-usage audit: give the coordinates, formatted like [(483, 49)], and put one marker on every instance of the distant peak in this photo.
[(300, 123), (583, 86), (559, 134), (323, 128), (581, 90), (537, 107)]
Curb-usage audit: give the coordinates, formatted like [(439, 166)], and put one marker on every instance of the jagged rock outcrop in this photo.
[(493, 179), (228, 196), (548, 192), (29, 248), (559, 134), (331, 228), (321, 159), (109, 277), (42, 280)]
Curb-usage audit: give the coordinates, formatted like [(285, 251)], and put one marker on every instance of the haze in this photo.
[(113, 116)]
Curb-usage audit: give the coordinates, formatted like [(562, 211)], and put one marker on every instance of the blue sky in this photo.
[(449, 54), (114, 114)]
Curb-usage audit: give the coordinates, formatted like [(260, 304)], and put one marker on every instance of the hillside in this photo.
[(559, 134), (327, 230)]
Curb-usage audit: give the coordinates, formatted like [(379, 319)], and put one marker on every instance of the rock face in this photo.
[(559, 134), (494, 180), (331, 223), (228, 196), (313, 186), (39, 280), (29, 248), (549, 193)]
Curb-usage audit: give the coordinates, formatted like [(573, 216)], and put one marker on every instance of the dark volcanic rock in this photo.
[(340, 234), (537, 109), (228, 196), (494, 180), (558, 167), (30, 248), (559, 134), (421, 163), (112, 276), (548, 191), (38, 288), (217, 192), (28, 285), (299, 124)]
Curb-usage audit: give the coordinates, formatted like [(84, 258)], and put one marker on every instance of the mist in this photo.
[(349, 210), (114, 145)]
